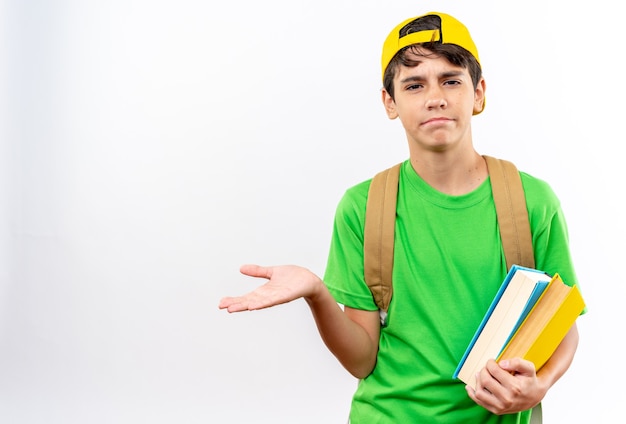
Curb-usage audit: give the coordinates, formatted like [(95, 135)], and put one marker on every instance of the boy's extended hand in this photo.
[(508, 387), (285, 283)]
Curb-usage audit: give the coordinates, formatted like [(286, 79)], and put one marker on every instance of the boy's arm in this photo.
[(513, 386), (352, 336), (560, 360)]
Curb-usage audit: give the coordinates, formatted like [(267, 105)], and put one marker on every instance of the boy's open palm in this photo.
[(285, 283)]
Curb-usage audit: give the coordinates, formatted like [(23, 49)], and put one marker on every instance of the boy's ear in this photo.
[(390, 104), (479, 96)]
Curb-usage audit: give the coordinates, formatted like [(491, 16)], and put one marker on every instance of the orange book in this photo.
[(546, 325)]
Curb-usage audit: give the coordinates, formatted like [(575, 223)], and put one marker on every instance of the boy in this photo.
[(447, 248)]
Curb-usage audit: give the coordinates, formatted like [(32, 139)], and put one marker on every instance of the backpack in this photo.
[(380, 219)]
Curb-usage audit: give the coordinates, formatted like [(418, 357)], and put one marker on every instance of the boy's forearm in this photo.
[(351, 344)]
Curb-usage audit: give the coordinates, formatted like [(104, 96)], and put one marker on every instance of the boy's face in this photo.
[(435, 101)]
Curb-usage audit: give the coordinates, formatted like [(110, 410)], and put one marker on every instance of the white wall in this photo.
[(151, 147)]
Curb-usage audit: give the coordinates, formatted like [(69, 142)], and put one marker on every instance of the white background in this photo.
[(149, 148)]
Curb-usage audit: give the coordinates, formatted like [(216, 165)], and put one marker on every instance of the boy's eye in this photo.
[(414, 87), (452, 82)]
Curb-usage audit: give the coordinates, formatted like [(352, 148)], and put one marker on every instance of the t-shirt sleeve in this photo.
[(550, 232), (344, 275)]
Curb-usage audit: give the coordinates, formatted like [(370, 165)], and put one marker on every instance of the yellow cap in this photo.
[(452, 31)]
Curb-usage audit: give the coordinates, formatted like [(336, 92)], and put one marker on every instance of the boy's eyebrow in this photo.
[(448, 74)]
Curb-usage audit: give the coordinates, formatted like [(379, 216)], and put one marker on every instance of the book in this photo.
[(546, 325), (521, 289)]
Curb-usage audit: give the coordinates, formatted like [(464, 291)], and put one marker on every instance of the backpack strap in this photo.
[(510, 201), (380, 214), (378, 238)]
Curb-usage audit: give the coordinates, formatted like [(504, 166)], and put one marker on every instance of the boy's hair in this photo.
[(432, 35), (456, 55)]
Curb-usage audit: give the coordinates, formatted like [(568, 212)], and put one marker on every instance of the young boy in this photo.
[(448, 261)]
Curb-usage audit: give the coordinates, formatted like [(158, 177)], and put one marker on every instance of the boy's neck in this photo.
[(450, 173)]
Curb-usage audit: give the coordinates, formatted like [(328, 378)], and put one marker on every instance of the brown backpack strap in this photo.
[(380, 224), (510, 201)]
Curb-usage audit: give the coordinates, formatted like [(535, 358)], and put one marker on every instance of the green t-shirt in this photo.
[(448, 265)]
